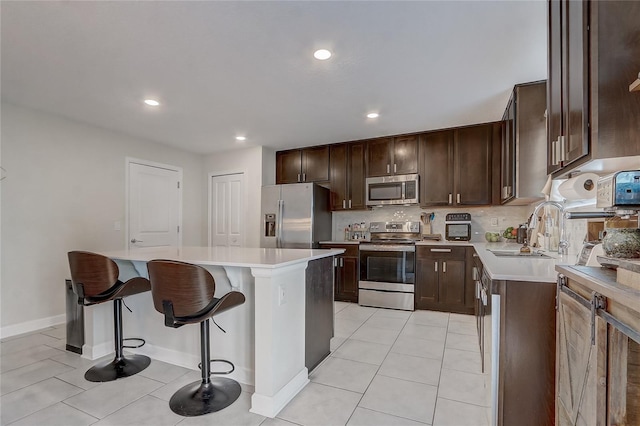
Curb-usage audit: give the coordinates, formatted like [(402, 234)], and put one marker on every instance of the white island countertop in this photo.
[(524, 268), (245, 257)]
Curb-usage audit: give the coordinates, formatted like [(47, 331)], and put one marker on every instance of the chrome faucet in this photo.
[(563, 245)]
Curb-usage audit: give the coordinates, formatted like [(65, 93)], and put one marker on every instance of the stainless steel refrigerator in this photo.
[(295, 216)]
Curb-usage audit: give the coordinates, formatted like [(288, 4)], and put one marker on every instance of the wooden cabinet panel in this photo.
[(436, 168), (508, 157), (338, 178), (452, 282), (303, 165), (347, 272), (580, 398), (473, 165), (379, 157), (347, 176), (443, 279), (348, 285), (315, 164), (357, 176), (575, 80), (426, 291), (405, 155), (593, 57), (554, 83), (456, 166), (392, 156), (288, 166)]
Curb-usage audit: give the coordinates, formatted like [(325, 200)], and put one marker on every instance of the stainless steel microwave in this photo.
[(390, 190)]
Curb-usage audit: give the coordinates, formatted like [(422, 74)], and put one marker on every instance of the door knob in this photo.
[(133, 240)]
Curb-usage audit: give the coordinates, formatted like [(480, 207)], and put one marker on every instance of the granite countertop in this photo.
[(344, 242)]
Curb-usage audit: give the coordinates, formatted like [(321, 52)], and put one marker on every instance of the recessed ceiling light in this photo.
[(373, 115), (151, 102), (241, 138), (322, 54)]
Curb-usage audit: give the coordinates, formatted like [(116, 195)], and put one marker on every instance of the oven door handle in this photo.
[(389, 248)]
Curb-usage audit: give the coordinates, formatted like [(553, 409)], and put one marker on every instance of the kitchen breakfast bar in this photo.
[(264, 337)]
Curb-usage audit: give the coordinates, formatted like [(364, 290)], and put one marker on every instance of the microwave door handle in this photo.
[(404, 190)]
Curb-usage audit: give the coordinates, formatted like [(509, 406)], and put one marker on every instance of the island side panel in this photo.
[(319, 311), (280, 372)]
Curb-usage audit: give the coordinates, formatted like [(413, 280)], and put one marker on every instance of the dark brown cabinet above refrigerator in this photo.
[(593, 58), (303, 165), (392, 156)]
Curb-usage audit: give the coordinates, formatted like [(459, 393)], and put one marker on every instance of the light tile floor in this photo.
[(386, 368)]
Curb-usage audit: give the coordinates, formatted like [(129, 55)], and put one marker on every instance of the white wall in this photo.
[(64, 190), (256, 167)]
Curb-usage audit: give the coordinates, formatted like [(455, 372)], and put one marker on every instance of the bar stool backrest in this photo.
[(190, 288), (95, 272)]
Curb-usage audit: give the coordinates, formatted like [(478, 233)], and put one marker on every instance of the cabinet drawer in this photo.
[(442, 252), (349, 249)]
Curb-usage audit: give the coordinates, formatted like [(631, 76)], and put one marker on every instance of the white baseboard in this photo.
[(270, 406), (97, 351), (183, 359), (30, 326)]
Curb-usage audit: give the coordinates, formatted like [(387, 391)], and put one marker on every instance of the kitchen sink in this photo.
[(516, 253)]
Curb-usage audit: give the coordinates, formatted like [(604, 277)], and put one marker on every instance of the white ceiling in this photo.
[(222, 69)]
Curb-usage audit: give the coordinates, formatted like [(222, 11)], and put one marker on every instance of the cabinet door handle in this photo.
[(342, 262), (304, 177), (335, 262), (458, 198), (388, 169), (349, 203), (561, 149), (344, 204), (475, 274), (436, 250), (298, 177), (395, 168), (444, 267), (450, 198), (436, 266)]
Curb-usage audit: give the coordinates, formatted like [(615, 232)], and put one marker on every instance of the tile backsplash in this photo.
[(481, 218)]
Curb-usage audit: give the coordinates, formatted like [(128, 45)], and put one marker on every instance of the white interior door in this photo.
[(154, 208), (225, 207)]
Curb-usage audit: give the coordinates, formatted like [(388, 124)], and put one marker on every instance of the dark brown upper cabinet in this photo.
[(593, 57), (456, 166), (392, 156), (347, 176), (303, 165), (524, 143)]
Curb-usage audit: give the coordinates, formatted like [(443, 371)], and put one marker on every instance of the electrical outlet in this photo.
[(494, 221), (281, 299)]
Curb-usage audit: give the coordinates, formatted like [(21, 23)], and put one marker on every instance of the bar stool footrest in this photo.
[(233, 367), (144, 342)]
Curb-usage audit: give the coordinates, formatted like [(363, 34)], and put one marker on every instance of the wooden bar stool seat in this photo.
[(184, 294), (94, 279)]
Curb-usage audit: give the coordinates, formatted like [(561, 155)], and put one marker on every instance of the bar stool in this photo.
[(94, 279), (184, 294)]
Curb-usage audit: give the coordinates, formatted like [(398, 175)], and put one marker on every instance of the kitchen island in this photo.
[(264, 337)]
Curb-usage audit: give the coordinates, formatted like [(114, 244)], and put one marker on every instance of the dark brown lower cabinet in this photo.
[(442, 279), (346, 272)]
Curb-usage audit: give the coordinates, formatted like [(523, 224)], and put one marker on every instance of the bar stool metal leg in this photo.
[(209, 395), (121, 366)]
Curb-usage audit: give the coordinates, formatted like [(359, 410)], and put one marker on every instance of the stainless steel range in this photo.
[(387, 265)]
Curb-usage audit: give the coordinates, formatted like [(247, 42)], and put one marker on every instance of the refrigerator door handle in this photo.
[(279, 224)]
